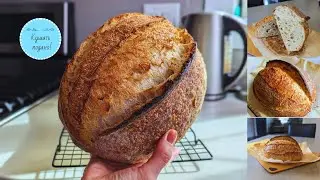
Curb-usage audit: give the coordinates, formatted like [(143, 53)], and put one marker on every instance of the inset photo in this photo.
[(283, 148), (289, 28), (283, 87)]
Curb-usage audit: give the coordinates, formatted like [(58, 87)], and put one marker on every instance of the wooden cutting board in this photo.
[(251, 48), (257, 48), (276, 168)]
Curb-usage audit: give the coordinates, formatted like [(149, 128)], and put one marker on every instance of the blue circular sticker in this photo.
[(40, 38)]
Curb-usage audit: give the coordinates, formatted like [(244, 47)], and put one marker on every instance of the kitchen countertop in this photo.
[(28, 143), (308, 7), (306, 172)]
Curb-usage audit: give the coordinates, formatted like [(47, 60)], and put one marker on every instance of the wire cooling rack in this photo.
[(67, 154)]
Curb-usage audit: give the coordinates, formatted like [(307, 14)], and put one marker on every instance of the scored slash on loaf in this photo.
[(132, 80)]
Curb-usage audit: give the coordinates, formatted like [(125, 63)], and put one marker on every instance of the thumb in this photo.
[(95, 169), (162, 154)]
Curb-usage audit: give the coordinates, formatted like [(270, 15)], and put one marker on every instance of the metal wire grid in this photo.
[(67, 154), (77, 172)]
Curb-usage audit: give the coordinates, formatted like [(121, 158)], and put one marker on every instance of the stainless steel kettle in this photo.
[(209, 30)]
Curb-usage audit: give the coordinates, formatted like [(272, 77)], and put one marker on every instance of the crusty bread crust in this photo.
[(284, 90), (302, 77), (283, 148), (306, 31), (287, 138), (177, 110), (276, 45), (133, 79), (80, 72)]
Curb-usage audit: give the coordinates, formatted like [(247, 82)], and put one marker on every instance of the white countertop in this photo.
[(307, 172), (29, 141)]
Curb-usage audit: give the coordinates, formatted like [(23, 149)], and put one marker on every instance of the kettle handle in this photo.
[(230, 24)]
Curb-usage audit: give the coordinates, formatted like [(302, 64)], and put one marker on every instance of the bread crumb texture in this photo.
[(293, 26)]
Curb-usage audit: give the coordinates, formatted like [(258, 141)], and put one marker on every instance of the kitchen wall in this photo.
[(228, 6), (251, 129), (225, 5), (313, 121), (91, 14)]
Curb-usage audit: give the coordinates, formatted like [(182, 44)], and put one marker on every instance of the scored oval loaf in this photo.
[(283, 148), (131, 81), (284, 90)]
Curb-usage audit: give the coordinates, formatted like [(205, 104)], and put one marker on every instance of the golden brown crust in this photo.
[(283, 148), (287, 138), (284, 157), (79, 75), (284, 90), (167, 114), (306, 30), (276, 45), (301, 77), (265, 20), (123, 66)]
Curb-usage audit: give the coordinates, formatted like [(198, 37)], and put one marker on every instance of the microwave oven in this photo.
[(13, 16)]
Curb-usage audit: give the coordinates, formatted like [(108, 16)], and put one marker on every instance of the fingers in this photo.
[(163, 153), (175, 153), (95, 169)]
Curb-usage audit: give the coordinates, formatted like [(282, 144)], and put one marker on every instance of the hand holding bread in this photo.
[(132, 80)]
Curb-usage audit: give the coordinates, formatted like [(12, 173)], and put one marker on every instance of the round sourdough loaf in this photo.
[(132, 80), (284, 90)]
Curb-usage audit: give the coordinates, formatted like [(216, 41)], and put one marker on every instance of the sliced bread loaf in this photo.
[(292, 25), (266, 27)]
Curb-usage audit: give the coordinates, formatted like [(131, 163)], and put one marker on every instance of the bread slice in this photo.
[(276, 45), (266, 27), (292, 25)]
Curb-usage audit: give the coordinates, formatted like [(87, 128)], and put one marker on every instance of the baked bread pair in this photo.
[(284, 32)]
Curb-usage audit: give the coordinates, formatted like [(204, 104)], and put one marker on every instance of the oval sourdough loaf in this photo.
[(284, 90), (283, 148), (132, 80)]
